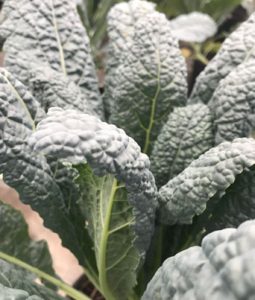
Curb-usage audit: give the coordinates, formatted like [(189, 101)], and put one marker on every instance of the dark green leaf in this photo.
[(233, 104), (78, 138), (39, 29), (50, 88), (236, 206), (14, 294), (149, 81), (15, 240), (14, 277), (212, 173), (222, 268), (28, 172), (237, 49), (187, 134)]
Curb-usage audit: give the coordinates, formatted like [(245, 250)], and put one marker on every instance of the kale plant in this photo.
[(137, 176)]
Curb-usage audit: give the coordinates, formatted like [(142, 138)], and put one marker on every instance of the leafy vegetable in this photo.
[(51, 88), (121, 20), (19, 284), (217, 9), (236, 206), (14, 228), (107, 150), (237, 49), (193, 27), (90, 181), (9, 293), (233, 104), (213, 271), (38, 30), (149, 82), (186, 195), (29, 173), (110, 222), (186, 135), (126, 14)]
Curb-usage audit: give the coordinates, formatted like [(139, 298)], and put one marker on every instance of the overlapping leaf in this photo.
[(236, 49), (222, 268), (236, 206), (15, 241), (113, 222), (50, 33), (14, 294), (28, 172), (110, 222), (19, 285), (51, 88), (121, 22), (233, 104), (187, 134), (212, 173), (149, 82)]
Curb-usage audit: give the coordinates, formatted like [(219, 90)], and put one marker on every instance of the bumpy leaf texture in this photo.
[(28, 172), (212, 173), (121, 22), (19, 285), (50, 33), (78, 138), (120, 211), (149, 80), (15, 240), (186, 135), (236, 206), (233, 104), (222, 268), (237, 48), (50, 88)]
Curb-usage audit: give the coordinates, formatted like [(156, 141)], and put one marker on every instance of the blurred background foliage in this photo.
[(94, 12), (217, 9)]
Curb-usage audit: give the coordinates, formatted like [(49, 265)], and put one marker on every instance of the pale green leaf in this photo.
[(110, 222)]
